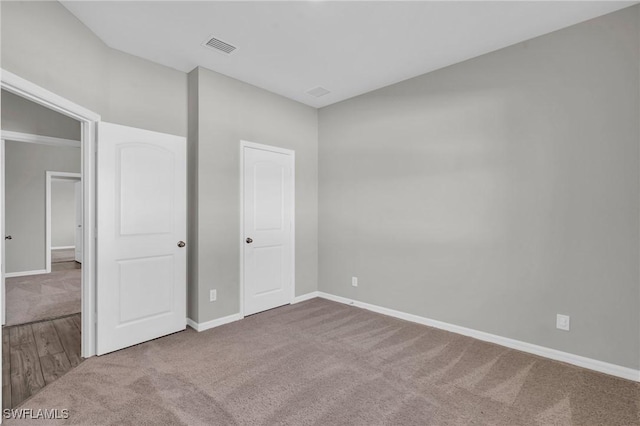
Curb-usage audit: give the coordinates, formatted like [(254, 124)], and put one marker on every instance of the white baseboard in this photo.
[(580, 361), (63, 248), (25, 273), (304, 297), (213, 323), (235, 317)]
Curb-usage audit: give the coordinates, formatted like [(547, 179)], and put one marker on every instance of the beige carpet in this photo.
[(323, 363), (39, 297)]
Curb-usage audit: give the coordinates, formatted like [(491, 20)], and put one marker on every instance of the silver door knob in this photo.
[(181, 244), (249, 240), (8, 237)]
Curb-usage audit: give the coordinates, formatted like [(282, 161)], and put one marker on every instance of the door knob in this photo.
[(249, 240), (181, 244), (8, 237)]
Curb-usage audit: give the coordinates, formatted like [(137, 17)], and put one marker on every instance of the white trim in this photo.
[(25, 273), (64, 175), (213, 323), (28, 90), (269, 148), (580, 361), (89, 120), (38, 139), (63, 248), (305, 297), (50, 177), (3, 250), (191, 323), (246, 144)]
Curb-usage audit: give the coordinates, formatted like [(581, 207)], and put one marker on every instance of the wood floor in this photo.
[(36, 354)]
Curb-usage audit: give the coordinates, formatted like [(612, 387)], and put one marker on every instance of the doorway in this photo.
[(42, 291), (40, 213), (64, 228), (267, 227), (47, 346), (142, 185)]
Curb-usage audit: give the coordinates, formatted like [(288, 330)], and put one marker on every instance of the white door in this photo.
[(268, 216), (141, 265), (77, 186)]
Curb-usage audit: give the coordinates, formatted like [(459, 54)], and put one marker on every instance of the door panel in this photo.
[(269, 181), (141, 286), (268, 224), (269, 268), (139, 278), (146, 196)]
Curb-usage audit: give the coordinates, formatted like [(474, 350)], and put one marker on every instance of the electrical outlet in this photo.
[(563, 322), (354, 281), (213, 295)]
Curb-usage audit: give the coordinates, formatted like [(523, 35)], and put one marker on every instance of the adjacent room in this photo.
[(42, 248), (320, 212)]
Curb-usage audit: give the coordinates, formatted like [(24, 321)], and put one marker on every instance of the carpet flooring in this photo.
[(46, 296), (324, 363)]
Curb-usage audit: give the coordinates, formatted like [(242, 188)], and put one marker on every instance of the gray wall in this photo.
[(63, 213), (26, 165), (45, 44), (21, 115), (228, 111), (497, 192), (192, 194)]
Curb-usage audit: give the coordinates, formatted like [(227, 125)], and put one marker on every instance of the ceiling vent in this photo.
[(219, 45), (317, 92)]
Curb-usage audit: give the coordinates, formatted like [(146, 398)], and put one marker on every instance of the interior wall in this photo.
[(25, 171), (63, 213), (192, 194), (498, 192), (20, 115), (229, 111), (45, 44)]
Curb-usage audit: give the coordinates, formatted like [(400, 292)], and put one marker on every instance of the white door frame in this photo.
[(3, 308), (89, 120), (246, 144), (50, 177)]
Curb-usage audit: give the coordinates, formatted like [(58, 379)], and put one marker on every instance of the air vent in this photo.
[(317, 92), (219, 45)]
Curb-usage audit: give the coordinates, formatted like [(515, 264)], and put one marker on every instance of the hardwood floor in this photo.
[(36, 354)]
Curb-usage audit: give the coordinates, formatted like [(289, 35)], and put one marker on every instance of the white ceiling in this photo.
[(349, 48)]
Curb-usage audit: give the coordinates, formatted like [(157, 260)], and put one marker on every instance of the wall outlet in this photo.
[(354, 281), (213, 295), (563, 322)]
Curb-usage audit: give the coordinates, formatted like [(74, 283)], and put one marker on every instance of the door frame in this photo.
[(50, 177), (246, 144), (89, 121), (3, 308)]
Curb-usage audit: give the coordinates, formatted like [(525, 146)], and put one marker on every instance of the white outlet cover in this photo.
[(354, 281), (213, 295), (563, 322)]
